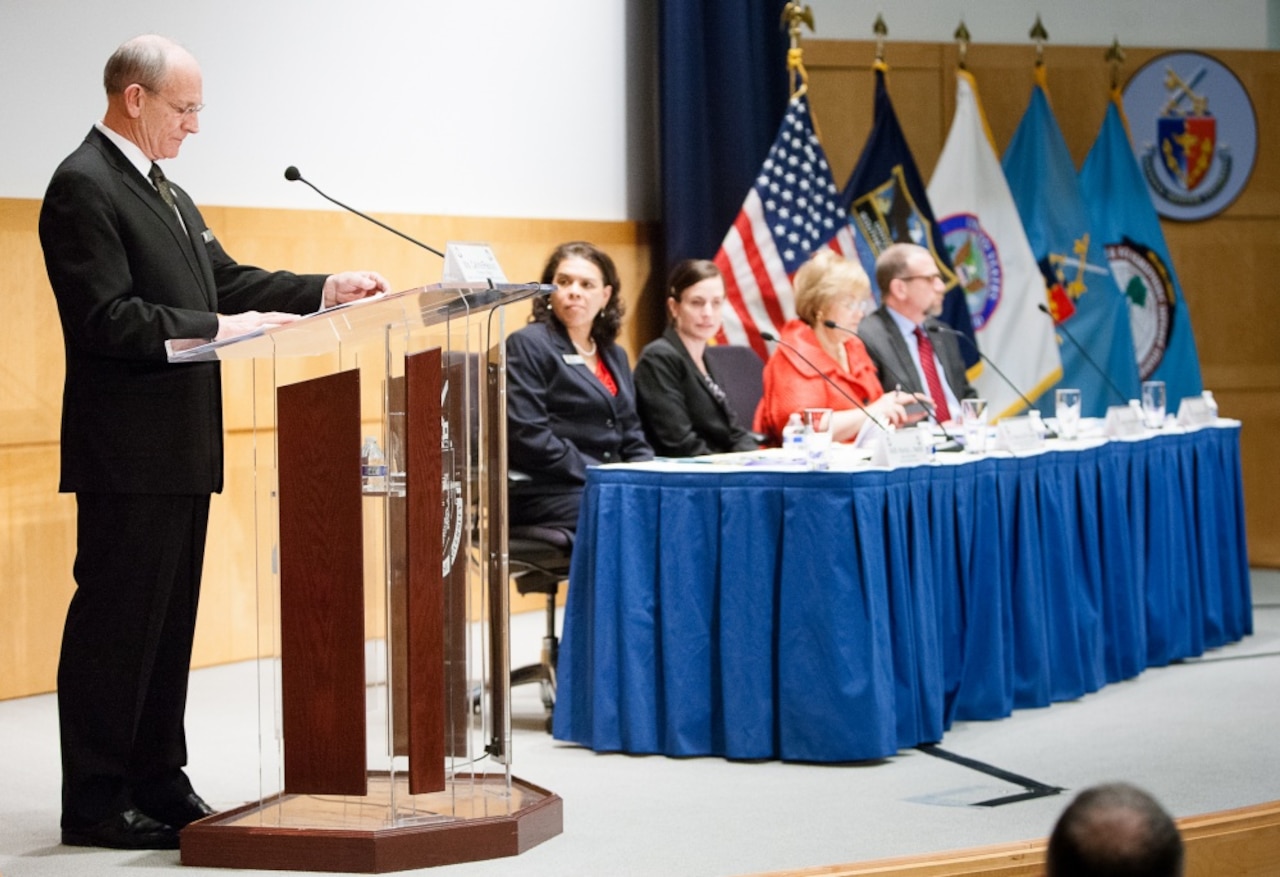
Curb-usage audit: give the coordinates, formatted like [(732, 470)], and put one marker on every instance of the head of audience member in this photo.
[(1114, 830), (695, 300), (910, 282), (830, 287), (585, 301), (154, 94)]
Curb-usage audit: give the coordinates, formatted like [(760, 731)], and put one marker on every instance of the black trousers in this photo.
[(126, 650)]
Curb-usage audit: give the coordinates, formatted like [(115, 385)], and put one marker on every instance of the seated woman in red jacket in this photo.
[(828, 288)]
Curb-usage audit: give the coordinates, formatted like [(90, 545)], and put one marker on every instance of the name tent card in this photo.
[(1124, 421), (1018, 434), (1195, 411), (466, 262)]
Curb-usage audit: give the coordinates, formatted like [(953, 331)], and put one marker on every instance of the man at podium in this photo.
[(133, 266)]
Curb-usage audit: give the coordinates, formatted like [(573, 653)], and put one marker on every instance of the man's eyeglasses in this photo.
[(932, 278), (189, 110)]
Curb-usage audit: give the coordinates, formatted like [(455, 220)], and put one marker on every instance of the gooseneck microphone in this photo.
[(935, 328), (292, 174), (1044, 309), (769, 336), (952, 445)]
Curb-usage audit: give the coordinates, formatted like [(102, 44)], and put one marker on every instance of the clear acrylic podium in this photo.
[(382, 610)]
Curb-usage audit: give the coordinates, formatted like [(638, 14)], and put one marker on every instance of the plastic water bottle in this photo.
[(373, 467), (793, 439), (1211, 403)]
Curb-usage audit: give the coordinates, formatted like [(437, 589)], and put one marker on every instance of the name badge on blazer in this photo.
[(573, 359), (207, 235)]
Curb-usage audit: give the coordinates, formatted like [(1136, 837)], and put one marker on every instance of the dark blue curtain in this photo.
[(723, 89)]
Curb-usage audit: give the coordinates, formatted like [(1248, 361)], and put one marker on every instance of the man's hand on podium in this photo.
[(234, 325), (352, 285)]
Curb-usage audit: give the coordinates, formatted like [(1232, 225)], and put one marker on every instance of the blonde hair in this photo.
[(825, 278)]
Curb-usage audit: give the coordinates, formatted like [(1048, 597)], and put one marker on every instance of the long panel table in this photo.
[(844, 615)]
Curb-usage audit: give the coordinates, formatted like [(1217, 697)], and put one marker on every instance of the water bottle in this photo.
[(1211, 403), (793, 439), (373, 467)]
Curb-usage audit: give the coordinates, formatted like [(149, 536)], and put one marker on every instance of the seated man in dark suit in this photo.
[(908, 352)]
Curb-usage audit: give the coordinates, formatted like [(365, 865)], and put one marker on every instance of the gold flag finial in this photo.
[(881, 31), (1040, 35), (795, 14), (962, 39), (1115, 57)]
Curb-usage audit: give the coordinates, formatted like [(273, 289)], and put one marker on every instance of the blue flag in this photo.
[(1122, 214), (1085, 302), (887, 203)]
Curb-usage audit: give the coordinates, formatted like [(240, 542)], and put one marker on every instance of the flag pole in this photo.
[(1041, 36), (961, 37), (881, 30), (795, 14)]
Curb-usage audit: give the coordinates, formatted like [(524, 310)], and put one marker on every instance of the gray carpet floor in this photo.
[(1202, 736)]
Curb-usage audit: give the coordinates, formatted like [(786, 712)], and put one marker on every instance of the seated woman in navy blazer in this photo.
[(683, 409), (570, 398)]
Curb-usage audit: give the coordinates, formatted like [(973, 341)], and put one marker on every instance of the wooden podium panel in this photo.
[(321, 586), (425, 603)]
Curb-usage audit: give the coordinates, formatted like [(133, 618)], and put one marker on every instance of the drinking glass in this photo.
[(974, 413), (1067, 410), (1153, 398), (817, 437)]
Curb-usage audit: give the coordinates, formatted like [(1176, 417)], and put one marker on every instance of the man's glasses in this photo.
[(932, 278), (189, 110)]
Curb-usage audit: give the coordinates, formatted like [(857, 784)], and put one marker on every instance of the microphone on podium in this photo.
[(935, 328), (292, 174), (769, 336), (952, 444), (1089, 359)]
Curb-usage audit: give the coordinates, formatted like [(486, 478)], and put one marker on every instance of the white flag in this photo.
[(995, 265)]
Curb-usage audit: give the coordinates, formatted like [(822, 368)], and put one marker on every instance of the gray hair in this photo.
[(143, 59)]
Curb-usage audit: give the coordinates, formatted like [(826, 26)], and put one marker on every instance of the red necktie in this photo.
[(925, 346)]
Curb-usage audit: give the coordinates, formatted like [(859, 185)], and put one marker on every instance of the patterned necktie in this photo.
[(931, 378), (162, 186)]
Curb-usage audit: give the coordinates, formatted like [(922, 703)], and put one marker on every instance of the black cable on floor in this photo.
[(1034, 788)]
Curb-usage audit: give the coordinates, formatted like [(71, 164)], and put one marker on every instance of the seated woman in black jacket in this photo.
[(570, 398), (683, 409)]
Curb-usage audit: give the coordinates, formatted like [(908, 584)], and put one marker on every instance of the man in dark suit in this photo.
[(133, 267), (902, 336)]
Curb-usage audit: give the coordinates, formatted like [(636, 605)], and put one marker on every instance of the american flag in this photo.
[(792, 211)]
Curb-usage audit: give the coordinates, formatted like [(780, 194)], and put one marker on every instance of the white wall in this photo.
[(481, 107), (384, 103)]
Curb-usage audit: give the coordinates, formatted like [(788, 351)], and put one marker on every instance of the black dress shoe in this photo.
[(130, 830), (179, 811)]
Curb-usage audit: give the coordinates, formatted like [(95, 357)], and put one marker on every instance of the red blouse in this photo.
[(791, 385)]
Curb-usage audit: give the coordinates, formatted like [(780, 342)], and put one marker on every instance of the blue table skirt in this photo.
[(842, 616)]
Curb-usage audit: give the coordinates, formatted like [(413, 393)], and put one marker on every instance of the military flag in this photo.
[(886, 202), (1122, 213), (992, 259), (1083, 297)]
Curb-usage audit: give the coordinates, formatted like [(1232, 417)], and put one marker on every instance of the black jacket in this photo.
[(681, 417)]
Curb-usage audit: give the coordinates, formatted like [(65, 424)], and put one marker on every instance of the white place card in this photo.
[(1017, 434), (1124, 421), (466, 262), (1195, 411)]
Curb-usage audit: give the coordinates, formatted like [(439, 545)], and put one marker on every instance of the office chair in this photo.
[(538, 560), (740, 373)]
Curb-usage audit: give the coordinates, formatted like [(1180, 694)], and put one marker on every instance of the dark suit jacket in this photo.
[(127, 278), (560, 418), (680, 415), (893, 361)]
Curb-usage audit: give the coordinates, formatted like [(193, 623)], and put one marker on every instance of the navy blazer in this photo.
[(681, 417), (560, 417), (888, 350), (127, 278)]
